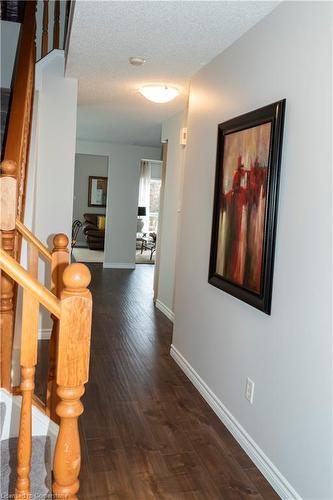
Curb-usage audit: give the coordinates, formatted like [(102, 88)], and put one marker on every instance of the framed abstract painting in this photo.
[(245, 205)]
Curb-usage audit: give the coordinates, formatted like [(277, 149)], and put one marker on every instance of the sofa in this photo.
[(94, 230)]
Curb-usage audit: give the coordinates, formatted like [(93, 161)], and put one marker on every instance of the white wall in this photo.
[(122, 203), (171, 211), (55, 153), (156, 170), (85, 166), (288, 354), (56, 149), (9, 32)]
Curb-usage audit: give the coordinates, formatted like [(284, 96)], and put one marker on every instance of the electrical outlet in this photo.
[(249, 390)]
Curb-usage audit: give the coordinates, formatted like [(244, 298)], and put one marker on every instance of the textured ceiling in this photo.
[(175, 37)]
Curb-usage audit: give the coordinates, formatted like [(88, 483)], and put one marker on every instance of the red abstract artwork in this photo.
[(242, 206)]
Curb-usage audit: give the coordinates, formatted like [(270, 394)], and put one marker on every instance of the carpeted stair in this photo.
[(40, 476)]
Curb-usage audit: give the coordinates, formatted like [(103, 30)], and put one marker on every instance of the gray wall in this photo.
[(123, 189), (9, 36), (86, 165), (288, 354), (171, 210)]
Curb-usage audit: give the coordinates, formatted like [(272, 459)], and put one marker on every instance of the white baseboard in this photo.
[(268, 469), (44, 334), (118, 265), (165, 310)]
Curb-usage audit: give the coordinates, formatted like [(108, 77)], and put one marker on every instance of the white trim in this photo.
[(40, 65), (268, 469), (118, 265), (159, 162), (44, 333), (165, 310)]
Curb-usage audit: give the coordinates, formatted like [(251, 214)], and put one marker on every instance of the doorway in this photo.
[(148, 211), (89, 207)]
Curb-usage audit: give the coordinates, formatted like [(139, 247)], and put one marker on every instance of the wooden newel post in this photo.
[(60, 260), (8, 195), (72, 374)]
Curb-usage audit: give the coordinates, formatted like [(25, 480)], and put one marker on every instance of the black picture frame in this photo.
[(104, 185), (273, 113)]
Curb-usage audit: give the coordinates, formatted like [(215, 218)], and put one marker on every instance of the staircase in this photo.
[(40, 445)]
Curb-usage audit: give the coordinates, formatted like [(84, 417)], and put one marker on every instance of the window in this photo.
[(154, 204)]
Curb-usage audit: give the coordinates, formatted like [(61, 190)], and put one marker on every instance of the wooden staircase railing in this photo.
[(17, 150), (68, 301), (70, 305), (49, 43)]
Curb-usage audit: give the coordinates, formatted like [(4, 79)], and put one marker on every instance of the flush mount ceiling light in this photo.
[(159, 93), (136, 61)]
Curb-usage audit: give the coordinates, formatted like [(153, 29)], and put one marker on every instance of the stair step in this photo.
[(40, 477)]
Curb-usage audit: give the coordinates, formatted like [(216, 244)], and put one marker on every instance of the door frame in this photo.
[(160, 218)]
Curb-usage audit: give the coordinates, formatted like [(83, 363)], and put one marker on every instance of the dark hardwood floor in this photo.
[(146, 432)]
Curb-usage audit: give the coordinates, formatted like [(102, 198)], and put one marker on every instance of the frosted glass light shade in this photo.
[(159, 93)]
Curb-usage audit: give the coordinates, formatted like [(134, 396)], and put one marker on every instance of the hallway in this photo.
[(146, 433)]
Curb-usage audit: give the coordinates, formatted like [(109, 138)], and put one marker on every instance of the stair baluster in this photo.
[(72, 374), (28, 362), (56, 24), (45, 33)]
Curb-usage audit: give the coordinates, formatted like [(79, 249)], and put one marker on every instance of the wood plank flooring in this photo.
[(146, 432)]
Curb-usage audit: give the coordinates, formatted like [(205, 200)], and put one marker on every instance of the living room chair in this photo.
[(149, 243), (76, 226)]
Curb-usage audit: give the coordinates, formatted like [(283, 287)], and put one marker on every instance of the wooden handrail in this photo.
[(23, 278), (19, 120), (29, 236)]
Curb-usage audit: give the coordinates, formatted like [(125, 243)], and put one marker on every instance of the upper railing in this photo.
[(70, 305), (52, 26), (19, 121)]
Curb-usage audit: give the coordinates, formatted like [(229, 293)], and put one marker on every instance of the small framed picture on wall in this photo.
[(97, 191)]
